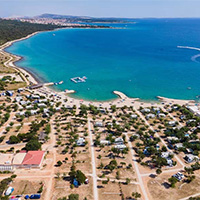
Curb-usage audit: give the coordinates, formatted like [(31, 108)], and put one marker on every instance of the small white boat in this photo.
[(58, 83)]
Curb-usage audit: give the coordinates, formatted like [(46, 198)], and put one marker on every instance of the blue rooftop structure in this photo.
[(75, 183)]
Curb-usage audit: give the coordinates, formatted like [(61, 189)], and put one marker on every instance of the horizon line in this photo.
[(103, 17)]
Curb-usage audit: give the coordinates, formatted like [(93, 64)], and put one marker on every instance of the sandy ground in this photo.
[(159, 190), (114, 190), (121, 101)]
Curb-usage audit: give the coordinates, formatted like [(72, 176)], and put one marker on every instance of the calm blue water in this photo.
[(142, 60)]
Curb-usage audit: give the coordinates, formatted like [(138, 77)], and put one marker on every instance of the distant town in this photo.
[(62, 20)]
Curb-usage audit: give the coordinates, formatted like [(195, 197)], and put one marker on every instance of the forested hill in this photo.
[(12, 29)]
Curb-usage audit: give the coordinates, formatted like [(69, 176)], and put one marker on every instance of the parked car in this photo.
[(9, 191), (35, 196), (86, 181)]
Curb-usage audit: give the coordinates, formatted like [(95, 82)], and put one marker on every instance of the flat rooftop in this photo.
[(6, 159), (18, 158)]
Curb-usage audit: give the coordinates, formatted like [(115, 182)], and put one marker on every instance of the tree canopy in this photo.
[(13, 29)]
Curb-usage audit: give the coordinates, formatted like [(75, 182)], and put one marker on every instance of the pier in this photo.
[(69, 91), (39, 85), (175, 101)]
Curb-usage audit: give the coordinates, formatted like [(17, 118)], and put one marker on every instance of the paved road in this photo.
[(48, 193), (195, 195), (173, 117), (118, 180), (9, 63), (139, 177), (12, 145), (164, 171), (95, 191)]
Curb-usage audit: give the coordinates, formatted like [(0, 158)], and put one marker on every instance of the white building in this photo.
[(194, 109), (104, 142), (98, 124), (169, 162), (80, 142), (165, 154), (22, 113), (33, 112), (178, 145), (23, 103), (119, 140), (29, 107), (120, 146), (155, 109), (133, 116), (191, 158), (170, 139), (150, 116), (43, 100), (161, 115), (41, 105), (172, 123), (145, 110)]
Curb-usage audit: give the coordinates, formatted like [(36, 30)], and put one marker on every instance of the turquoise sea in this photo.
[(141, 59)]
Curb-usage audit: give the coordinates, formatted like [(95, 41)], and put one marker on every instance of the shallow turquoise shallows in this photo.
[(142, 59)]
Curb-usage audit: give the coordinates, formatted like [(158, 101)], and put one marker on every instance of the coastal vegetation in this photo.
[(13, 29)]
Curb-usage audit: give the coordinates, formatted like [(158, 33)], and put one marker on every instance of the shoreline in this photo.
[(15, 58), (34, 79)]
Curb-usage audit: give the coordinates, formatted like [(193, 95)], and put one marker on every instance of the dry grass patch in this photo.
[(25, 187), (114, 190), (62, 189), (158, 188)]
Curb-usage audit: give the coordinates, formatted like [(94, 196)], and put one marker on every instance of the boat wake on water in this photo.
[(193, 58)]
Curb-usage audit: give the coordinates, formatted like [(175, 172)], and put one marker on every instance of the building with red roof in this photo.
[(23, 159), (33, 159)]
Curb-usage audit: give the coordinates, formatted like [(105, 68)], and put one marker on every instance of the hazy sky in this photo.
[(102, 8)]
